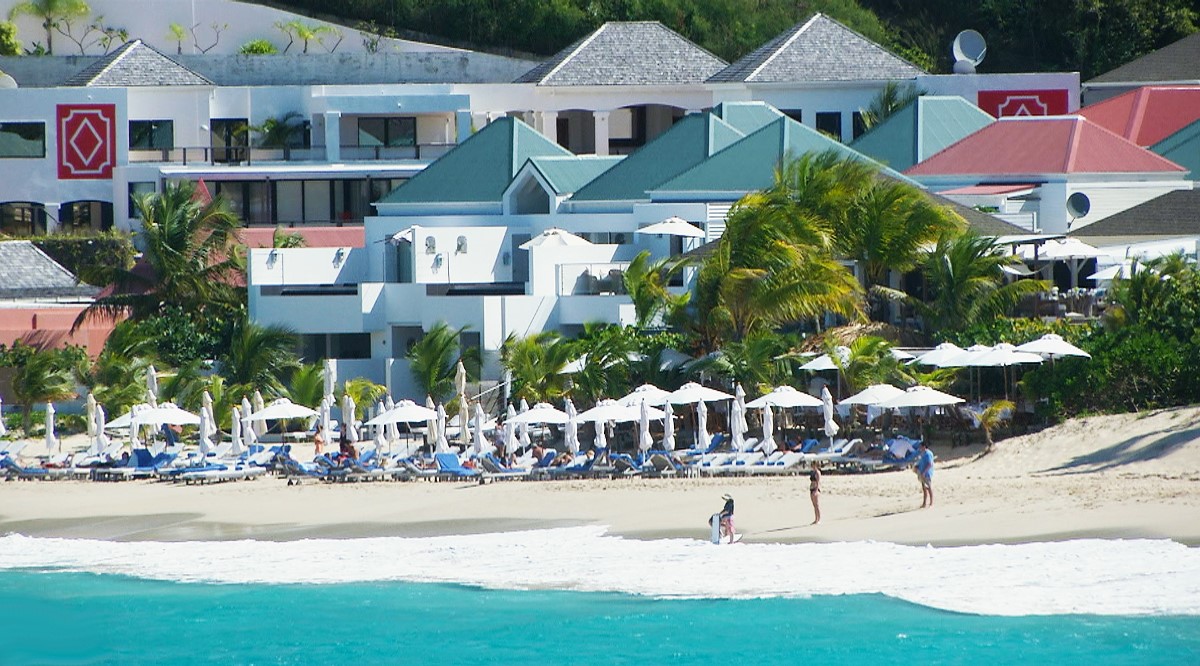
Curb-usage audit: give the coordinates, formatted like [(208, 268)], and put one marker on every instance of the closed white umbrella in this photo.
[(600, 443), (92, 426), (480, 424), (702, 436), (390, 430), (768, 428), (571, 433), (644, 439), (510, 430), (235, 432), (460, 385), (668, 426), (204, 441), (152, 386), (784, 396), (692, 393), (873, 395), (442, 445), (431, 424), (330, 374), (1052, 346), (4, 428), (645, 393), (673, 226), (52, 443), (523, 427), (349, 430), (736, 434), (921, 396), (248, 435), (740, 398), (247, 409), (260, 427), (831, 426), (464, 430), (100, 442)]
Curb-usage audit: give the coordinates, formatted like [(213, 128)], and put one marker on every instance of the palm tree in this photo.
[(605, 370), (259, 357), (282, 239), (890, 99), (536, 363), (964, 283), (281, 132), (306, 386), (871, 362), (760, 360), (52, 13), (646, 282), (996, 413), (364, 392), (433, 360), (297, 29), (44, 376), (189, 260)]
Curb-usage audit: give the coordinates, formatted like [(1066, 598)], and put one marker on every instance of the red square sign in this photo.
[(87, 141), (1002, 103)]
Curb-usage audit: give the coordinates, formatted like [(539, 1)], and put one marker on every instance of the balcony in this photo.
[(591, 279), (245, 155)]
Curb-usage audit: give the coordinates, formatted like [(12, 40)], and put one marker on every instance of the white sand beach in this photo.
[(1125, 476)]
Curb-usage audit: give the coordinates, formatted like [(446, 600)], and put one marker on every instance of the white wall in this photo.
[(307, 266), (967, 86)]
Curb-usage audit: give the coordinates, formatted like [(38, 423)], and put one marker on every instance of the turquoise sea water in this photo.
[(87, 618)]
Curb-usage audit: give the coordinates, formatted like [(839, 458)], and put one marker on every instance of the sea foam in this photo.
[(1087, 576)]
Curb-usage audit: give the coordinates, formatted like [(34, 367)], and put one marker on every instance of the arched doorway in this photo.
[(85, 216), (22, 218)]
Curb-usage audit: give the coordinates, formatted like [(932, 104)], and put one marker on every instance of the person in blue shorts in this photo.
[(925, 474)]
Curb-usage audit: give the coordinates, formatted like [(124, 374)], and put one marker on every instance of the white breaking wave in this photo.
[(1088, 576)]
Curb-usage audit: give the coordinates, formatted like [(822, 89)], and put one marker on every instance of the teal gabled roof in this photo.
[(750, 164), (747, 117), (478, 169), (1182, 148), (690, 141), (567, 174), (921, 129)]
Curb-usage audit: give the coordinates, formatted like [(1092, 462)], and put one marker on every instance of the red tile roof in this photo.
[(1043, 145), (313, 236), (1147, 115), (990, 189)]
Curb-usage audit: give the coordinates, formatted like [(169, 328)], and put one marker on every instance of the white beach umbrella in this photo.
[(543, 412), (921, 396), (644, 439), (168, 413), (740, 399), (968, 358), (645, 393), (784, 396), (205, 443), (52, 443), (900, 354), (281, 408), (390, 430), (480, 424), (554, 237), (464, 430), (510, 430), (571, 433), (1004, 355), (1060, 249), (673, 226), (827, 361), (831, 426), (702, 436), (692, 392), (330, 374), (431, 424), (1052, 346), (249, 437), (768, 428), (405, 411), (247, 409), (737, 435), (442, 445), (206, 401), (873, 395), (523, 427), (611, 410), (235, 432), (92, 425), (668, 426), (100, 442), (151, 386), (947, 351), (260, 427), (349, 429), (460, 386), (600, 443)]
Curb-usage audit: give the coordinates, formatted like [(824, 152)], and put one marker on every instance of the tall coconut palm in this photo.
[(964, 283), (44, 376), (870, 361), (259, 357), (536, 363), (433, 360), (52, 13), (189, 260), (306, 385)]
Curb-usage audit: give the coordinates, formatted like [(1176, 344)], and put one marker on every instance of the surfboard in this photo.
[(715, 521)]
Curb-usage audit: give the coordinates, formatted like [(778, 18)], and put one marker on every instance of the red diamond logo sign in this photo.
[(1002, 103), (87, 141)]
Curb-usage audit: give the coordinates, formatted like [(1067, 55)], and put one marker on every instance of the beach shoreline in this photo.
[(1134, 476)]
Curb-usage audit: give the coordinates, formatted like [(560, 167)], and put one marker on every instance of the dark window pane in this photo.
[(402, 132), (22, 219), (372, 132), (860, 127), (151, 134), (136, 190), (795, 114), (22, 140), (830, 122)]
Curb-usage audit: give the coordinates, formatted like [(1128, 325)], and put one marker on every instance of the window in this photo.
[(795, 114), (830, 122), (136, 190), (151, 135), (22, 140), (229, 137), (80, 216), (22, 219), (860, 127), (387, 132)]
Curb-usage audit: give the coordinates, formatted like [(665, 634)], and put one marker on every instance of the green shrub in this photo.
[(83, 254), (258, 47)]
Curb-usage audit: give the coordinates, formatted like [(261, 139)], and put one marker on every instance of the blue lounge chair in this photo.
[(449, 464), (13, 470)]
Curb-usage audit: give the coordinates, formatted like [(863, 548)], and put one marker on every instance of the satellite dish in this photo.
[(1078, 205), (969, 50), (7, 81)]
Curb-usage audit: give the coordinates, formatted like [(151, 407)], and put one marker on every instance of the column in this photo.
[(550, 125), (53, 216), (601, 119), (333, 136)]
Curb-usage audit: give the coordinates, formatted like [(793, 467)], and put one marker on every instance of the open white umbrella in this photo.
[(831, 426), (1052, 345), (921, 396), (554, 237), (152, 386), (442, 445), (1004, 355), (668, 426), (943, 353), (281, 408), (405, 411), (165, 414), (702, 436), (827, 362), (768, 429), (543, 412), (260, 427), (235, 432), (873, 395), (673, 226), (611, 410), (571, 433), (52, 443), (644, 439), (645, 393), (784, 396), (692, 392)]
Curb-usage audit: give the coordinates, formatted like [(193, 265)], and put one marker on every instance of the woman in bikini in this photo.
[(814, 491)]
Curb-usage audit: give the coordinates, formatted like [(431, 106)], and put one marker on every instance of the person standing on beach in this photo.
[(925, 474), (814, 491), (726, 517), (319, 440)]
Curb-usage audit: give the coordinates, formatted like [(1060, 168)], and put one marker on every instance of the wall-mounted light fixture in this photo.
[(437, 262), (272, 257), (506, 258), (339, 256)]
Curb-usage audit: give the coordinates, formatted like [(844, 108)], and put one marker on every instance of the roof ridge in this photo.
[(578, 47), (1141, 100), (1073, 144), (782, 46), (117, 57)]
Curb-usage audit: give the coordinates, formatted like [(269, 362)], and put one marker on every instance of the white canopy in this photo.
[(826, 362), (167, 413), (921, 396), (1052, 345), (673, 226), (645, 393), (543, 412), (785, 396), (873, 395), (611, 410), (554, 237), (1003, 355), (280, 409), (1063, 248), (968, 357), (692, 392), (940, 354), (405, 411)]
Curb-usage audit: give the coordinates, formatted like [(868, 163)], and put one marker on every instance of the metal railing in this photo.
[(592, 278), (243, 155)]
